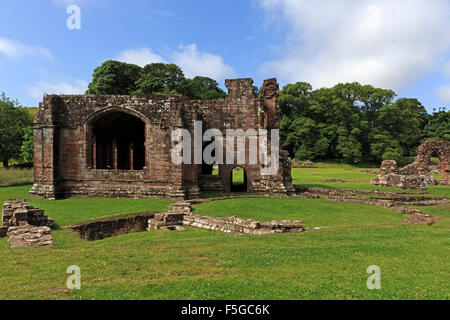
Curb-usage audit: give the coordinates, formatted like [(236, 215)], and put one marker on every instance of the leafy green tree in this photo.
[(404, 122), (114, 77), (14, 119), (204, 88), (306, 139), (27, 148), (438, 127), (161, 78), (294, 99)]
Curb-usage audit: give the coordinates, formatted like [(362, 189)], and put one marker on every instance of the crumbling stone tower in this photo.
[(120, 146)]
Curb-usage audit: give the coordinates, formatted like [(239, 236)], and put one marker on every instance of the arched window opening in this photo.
[(215, 169), (118, 142), (209, 169), (238, 180)]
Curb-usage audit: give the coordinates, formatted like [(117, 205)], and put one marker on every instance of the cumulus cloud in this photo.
[(385, 43), (189, 58), (77, 87), (196, 63), (140, 57), (16, 49), (443, 93)]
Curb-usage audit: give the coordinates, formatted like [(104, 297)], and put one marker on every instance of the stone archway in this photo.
[(421, 166), (417, 175), (238, 179), (117, 142)]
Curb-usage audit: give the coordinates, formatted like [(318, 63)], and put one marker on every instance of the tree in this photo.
[(27, 148), (294, 99), (14, 119), (438, 127), (404, 122), (204, 88), (161, 78), (114, 77)]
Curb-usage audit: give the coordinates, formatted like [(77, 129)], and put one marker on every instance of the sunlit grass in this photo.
[(15, 176)]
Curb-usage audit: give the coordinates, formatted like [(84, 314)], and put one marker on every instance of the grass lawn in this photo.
[(353, 179), (329, 263), (15, 177), (71, 211)]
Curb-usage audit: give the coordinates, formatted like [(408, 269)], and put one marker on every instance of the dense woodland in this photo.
[(350, 122)]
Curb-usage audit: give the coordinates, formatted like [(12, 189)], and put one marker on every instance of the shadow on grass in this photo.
[(18, 184)]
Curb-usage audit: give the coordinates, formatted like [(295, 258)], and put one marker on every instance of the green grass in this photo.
[(72, 211), (197, 264), (313, 213), (14, 177), (353, 178), (238, 176)]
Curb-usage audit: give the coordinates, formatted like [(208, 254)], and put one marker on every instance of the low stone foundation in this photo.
[(180, 214), (237, 225), (29, 236)]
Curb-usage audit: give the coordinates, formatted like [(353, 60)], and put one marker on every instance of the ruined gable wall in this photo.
[(62, 147), (242, 109)]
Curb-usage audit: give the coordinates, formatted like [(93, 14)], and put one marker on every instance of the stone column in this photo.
[(94, 153), (131, 148), (115, 154)]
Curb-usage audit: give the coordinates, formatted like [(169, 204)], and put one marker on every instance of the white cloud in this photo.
[(443, 93), (16, 49), (192, 61), (66, 3), (77, 87), (140, 57), (446, 70), (196, 63), (384, 43)]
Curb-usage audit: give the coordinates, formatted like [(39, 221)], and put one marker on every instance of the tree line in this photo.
[(353, 123), (349, 122)]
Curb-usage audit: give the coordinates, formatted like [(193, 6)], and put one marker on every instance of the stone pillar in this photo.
[(115, 154), (45, 162), (94, 153), (131, 148)]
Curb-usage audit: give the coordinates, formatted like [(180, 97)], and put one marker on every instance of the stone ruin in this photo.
[(24, 225), (120, 145), (417, 175), (180, 214)]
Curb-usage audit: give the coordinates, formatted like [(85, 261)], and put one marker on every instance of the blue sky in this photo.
[(403, 45)]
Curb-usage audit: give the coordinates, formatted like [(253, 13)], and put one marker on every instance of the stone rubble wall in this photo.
[(180, 214), (237, 225), (17, 212), (24, 225), (417, 174), (29, 236)]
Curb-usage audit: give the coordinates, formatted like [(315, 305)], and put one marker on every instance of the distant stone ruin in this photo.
[(24, 225), (417, 174)]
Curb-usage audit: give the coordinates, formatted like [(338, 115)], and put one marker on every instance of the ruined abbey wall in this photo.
[(73, 159)]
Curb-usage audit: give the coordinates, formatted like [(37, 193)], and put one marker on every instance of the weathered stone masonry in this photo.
[(120, 146), (417, 175), (25, 226)]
